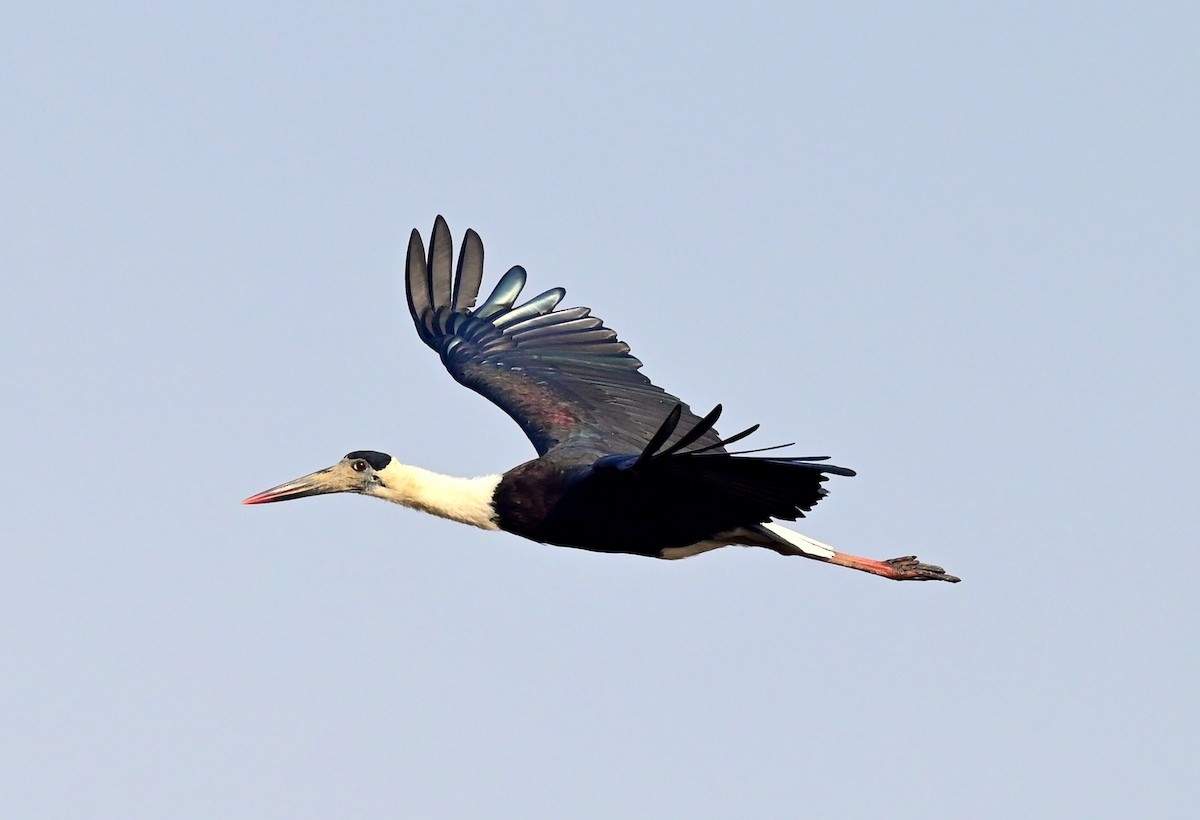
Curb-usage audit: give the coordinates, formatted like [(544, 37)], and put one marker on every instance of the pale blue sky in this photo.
[(954, 248)]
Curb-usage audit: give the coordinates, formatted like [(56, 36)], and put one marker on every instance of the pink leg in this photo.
[(907, 568), (789, 542)]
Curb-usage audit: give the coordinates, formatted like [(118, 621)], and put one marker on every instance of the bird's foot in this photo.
[(908, 568)]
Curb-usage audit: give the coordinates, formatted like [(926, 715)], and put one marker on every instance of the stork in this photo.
[(622, 467)]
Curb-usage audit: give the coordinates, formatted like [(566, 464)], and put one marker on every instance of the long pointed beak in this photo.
[(316, 483)]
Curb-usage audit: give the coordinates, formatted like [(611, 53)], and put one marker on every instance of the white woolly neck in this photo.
[(467, 500)]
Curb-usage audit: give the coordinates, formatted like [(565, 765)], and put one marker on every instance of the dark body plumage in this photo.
[(623, 465)]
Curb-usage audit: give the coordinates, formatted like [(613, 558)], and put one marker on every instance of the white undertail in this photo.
[(798, 544), (809, 546)]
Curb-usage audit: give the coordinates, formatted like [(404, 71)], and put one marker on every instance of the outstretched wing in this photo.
[(560, 374)]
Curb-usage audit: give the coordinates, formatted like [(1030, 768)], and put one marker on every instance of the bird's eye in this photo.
[(358, 466)]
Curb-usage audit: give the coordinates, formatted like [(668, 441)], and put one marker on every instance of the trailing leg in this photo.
[(906, 568)]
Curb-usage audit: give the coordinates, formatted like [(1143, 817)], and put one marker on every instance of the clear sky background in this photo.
[(955, 248)]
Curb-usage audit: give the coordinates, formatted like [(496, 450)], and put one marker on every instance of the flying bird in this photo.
[(622, 467)]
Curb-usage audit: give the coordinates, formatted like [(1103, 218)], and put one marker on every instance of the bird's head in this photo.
[(359, 472)]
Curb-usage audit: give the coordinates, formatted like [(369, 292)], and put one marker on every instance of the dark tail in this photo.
[(757, 488)]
